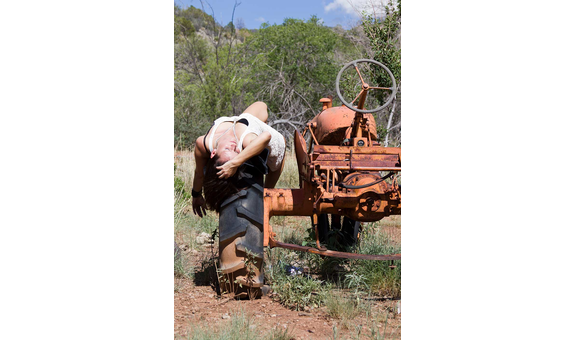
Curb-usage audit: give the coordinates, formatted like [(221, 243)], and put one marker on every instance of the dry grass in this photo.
[(184, 159)]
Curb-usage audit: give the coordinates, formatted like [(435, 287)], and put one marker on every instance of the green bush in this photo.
[(180, 186), (379, 276), (297, 291)]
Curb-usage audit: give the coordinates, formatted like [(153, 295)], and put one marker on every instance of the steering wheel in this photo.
[(365, 86)]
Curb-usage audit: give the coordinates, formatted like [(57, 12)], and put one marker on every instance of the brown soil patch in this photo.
[(199, 306)]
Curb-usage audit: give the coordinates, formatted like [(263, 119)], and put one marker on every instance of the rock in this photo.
[(226, 316), (266, 290), (204, 238), (304, 314)]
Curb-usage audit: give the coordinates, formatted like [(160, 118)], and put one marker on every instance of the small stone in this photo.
[(273, 315), (226, 316), (203, 238), (304, 314)]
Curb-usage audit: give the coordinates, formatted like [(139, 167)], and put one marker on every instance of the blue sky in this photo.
[(255, 12)]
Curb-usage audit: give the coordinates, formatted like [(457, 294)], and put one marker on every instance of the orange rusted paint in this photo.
[(326, 103), (333, 125), (340, 175), (339, 254)]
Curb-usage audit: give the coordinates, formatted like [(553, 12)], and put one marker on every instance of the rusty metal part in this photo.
[(331, 126), (363, 159), (233, 266), (334, 253), (367, 204), (302, 158), (326, 103), (311, 128)]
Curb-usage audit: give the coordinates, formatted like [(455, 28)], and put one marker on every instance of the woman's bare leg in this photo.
[(258, 110), (273, 176)]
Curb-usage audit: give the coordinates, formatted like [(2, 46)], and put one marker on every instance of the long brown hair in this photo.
[(217, 190)]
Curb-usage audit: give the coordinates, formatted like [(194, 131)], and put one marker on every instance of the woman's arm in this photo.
[(201, 156), (254, 148)]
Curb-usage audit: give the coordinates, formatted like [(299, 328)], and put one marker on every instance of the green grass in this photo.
[(342, 307), (296, 292), (378, 276)]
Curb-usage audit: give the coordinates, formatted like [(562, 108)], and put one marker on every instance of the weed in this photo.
[(225, 281), (335, 332), (250, 262), (375, 334), (342, 308), (358, 329), (180, 185), (356, 282), (238, 328), (379, 276), (178, 267), (182, 269), (297, 291), (277, 333), (347, 309)]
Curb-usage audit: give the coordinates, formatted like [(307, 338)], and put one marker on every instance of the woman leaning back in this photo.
[(228, 144)]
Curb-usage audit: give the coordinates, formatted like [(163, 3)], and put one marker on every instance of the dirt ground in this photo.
[(196, 304)]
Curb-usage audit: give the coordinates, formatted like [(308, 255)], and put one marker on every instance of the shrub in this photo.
[(379, 276), (180, 186)]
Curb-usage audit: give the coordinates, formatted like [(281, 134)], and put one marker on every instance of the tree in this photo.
[(295, 64), (209, 76), (383, 31)]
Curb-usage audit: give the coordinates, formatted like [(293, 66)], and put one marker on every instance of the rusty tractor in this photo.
[(344, 172)]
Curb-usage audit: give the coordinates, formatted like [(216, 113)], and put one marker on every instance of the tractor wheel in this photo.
[(349, 229), (241, 244)]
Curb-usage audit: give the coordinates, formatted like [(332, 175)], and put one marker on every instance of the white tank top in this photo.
[(276, 146)]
